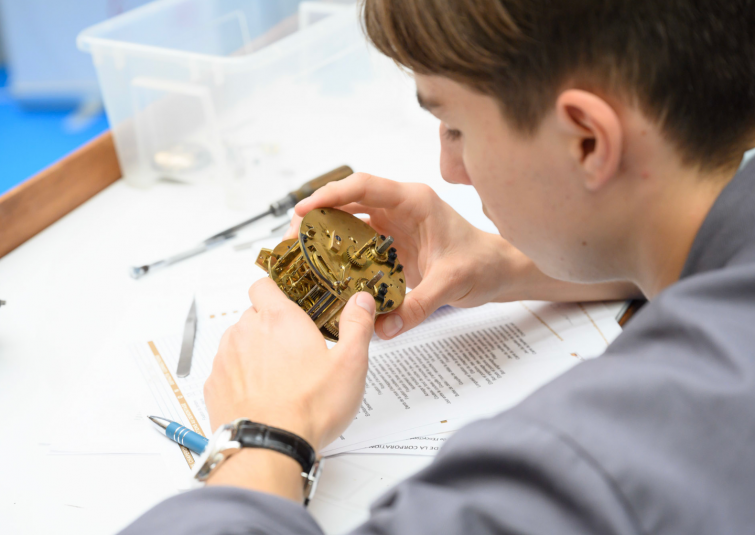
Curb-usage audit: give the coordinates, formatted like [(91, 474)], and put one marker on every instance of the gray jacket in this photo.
[(656, 436)]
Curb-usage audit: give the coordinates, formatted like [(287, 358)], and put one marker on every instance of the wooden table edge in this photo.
[(42, 200)]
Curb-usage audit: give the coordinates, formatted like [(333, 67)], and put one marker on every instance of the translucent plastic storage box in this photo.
[(258, 94)]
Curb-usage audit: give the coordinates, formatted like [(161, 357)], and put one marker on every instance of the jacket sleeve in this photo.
[(502, 475)]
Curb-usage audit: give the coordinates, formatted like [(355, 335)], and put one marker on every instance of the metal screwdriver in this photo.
[(277, 209)]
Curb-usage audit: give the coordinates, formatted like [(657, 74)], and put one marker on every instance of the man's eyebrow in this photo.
[(426, 104)]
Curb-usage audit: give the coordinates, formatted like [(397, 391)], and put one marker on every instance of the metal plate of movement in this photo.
[(335, 256)]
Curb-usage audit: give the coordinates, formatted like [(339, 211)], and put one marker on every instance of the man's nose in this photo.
[(452, 167)]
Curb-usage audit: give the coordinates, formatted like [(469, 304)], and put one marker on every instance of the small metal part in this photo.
[(335, 242), (2, 303), (344, 284), (387, 242), (321, 270), (162, 423), (364, 248), (323, 303), (351, 255), (374, 280), (187, 344), (309, 294)]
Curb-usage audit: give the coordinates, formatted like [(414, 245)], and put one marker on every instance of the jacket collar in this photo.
[(728, 228)]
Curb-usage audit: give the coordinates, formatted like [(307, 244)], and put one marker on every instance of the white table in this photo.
[(68, 295)]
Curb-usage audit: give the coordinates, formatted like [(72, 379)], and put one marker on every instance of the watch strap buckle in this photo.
[(311, 479)]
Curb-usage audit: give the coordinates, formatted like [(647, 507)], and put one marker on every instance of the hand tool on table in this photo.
[(280, 229), (183, 435), (187, 344), (277, 209)]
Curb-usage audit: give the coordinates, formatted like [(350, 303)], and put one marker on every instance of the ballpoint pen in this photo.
[(180, 434), (276, 209)]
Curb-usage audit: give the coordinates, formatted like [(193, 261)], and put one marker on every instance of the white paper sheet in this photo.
[(107, 412), (427, 445), (472, 362), (458, 366)]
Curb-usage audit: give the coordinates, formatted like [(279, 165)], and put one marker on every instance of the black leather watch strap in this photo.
[(254, 435)]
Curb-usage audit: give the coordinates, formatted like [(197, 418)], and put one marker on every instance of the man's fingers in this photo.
[(355, 327), (358, 188), (356, 208), (265, 295), (293, 228), (417, 306)]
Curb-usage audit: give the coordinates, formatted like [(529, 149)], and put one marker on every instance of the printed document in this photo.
[(460, 365)]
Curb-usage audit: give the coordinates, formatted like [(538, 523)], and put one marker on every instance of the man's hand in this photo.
[(273, 367), (446, 259)]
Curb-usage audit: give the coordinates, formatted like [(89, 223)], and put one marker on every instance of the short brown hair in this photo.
[(688, 64)]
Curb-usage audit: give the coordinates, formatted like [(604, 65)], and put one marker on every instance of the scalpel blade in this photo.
[(187, 345)]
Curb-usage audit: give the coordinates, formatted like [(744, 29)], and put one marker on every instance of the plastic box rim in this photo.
[(89, 37)]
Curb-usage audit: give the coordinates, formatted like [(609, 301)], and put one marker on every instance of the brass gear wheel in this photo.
[(358, 262), (332, 329)]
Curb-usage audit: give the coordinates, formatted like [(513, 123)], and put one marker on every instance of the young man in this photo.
[(604, 138)]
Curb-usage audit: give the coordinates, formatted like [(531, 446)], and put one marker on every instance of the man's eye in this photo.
[(451, 134)]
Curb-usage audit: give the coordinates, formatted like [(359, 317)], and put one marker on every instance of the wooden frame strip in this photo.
[(46, 197)]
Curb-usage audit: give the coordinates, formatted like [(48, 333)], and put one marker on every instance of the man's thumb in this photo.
[(417, 306), (357, 322)]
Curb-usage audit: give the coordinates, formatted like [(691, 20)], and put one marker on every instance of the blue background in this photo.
[(32, 139)]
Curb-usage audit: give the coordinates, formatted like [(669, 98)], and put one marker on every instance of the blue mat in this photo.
[(30, 140)]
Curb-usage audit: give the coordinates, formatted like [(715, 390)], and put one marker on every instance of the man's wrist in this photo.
[(286, 419), (261, 470)]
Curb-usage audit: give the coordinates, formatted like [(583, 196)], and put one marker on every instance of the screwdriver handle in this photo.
[(281, 206)]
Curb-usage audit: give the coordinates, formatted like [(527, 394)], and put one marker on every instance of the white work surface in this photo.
[(69, 296)]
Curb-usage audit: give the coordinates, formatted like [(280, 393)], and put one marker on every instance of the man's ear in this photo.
[(595, 135)]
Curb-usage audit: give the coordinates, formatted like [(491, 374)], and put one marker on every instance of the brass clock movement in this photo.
[(335, 256)]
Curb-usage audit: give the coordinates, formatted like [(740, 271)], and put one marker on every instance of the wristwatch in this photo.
[(243, 433)]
